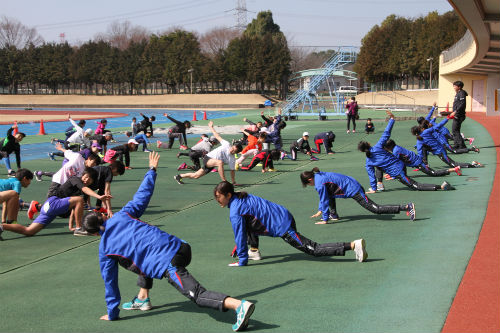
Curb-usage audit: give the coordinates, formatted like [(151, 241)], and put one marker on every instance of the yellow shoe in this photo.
[(236, 166), (272, 170)]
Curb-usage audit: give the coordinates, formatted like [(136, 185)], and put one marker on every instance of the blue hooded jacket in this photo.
[(259, 216), (139, 247), (382, 158), (334, 185)]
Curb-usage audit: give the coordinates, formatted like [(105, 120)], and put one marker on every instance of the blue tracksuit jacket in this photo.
[(430, 140), (383, 159), (259, 216), (441, 133), (142, 248), (408, 157), (334, 185)]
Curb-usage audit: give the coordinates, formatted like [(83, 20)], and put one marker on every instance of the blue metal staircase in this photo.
[(338, 60)]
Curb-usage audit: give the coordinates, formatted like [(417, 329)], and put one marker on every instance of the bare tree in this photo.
[(217, 39), (121, 34), (14, 33)]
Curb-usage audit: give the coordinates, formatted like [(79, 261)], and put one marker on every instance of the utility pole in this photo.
[(430, 72), (190, 71)]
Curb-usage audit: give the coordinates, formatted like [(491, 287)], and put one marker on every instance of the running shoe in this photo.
[(271, 170), (178, 179), (447, 186), (182, 167), (236, 166), (182, 147), (137, 304), (81, 232), (471, 141), (360, 250), (354, 131), (348, 131), (38, 175), (475, 149), (282, 156), (314, 158), (158, 143), (380, 187), (333, 217), (214, 170), (11, 173), (254, 255), (388, 177), (51, 156), (32, 210), (458, 170), (243, 313), (178, 155), (410, 211), (476, 164), (147, 151)]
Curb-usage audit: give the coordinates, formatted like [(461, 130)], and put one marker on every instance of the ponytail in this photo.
[(416, 130), (226, 188), (306, 175)]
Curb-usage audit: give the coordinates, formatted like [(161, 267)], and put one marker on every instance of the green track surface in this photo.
[(51, 282)]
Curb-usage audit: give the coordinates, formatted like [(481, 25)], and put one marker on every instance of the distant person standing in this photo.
[(352, 114), (458, 114)]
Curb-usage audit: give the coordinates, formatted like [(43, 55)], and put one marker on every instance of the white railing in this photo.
[(459, 47)]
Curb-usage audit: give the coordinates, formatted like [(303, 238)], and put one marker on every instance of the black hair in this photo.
[(153, 118), (420, 120), (275, 154), (119, 166), (104, 121), (92, 222), (262, 135), (129, 134), (353, 98), (134, 118), (390, 144), (82, 122), (364, 147), (22, 134), (239, 147), (22, 173), (370, 119), (94, 157), (187, 123), (306, 175), (425, 124), (226, 188), (458, 84), (92, 173), (416, 130)]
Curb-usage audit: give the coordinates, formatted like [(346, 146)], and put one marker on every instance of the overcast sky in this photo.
[(305, 23)]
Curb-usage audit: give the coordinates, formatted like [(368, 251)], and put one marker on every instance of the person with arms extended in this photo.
[(152, 254)]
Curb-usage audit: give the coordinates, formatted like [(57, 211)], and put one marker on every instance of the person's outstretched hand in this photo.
[(210, 124), (154, 157)]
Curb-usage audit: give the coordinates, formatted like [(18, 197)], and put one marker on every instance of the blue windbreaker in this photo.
[(441, 133), (257, 215), (408, 157), (430, 140), (134, 244), (334, 185), (383, 159)]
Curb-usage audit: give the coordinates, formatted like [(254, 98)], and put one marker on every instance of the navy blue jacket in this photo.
[(259, 216), (381, 158), (139, 247), (334, 185), (408, 157)]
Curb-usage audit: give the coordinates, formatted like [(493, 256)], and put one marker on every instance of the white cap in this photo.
[(305, 134), (265, 130), (88, 130), (133, 141)]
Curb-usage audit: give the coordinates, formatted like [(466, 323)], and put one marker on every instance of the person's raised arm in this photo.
[(172, 119), (431, 112), (387, 133), (214, 132), (249, 121), (140, 201)]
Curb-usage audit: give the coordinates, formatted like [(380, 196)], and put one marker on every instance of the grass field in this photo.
[(51, 282)]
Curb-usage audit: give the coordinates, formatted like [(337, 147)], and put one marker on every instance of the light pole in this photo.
[(190, 71), (430, 72)]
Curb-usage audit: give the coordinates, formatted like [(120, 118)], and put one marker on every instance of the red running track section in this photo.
[(476, 307)]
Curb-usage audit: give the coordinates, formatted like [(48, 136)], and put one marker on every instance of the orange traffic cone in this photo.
[(16, 130), (205, 115), (194, 116), (448, 107), (42, 128)]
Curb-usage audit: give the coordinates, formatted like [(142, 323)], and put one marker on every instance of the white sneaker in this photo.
[(254, 255), (360, 250)]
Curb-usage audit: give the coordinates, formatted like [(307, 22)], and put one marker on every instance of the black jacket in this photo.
[(9, 146), (459, 104)]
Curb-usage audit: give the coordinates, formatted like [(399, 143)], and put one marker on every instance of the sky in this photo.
[(317, 24)]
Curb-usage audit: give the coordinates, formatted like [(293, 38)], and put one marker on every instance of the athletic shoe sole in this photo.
[(248, 313), (361, 254), (178, 180)]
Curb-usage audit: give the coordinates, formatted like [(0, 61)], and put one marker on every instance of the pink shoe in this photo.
[(182, 167), (158, 143), (183, 147), (214, 170), (354, 131), (471, 140), (458, 170)]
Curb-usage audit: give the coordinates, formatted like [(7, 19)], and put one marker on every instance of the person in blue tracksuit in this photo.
[(411, 159), (426, 141), (252, 216), (152, 254), (377, 156), (330, 185), (443, 134)]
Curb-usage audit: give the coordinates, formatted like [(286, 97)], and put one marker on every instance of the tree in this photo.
[(216, 40), (14, 33), (121, 34)]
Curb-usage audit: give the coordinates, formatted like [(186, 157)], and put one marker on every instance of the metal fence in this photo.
[(459, 47)]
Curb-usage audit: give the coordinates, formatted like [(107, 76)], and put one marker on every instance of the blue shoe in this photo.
[(243, 313), (334, 217), (137, 304)]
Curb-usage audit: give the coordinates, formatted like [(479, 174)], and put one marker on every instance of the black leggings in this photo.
[(369, 205), (185, 283), (414, 185), (446, 159), (433, 173), (353, 118)]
